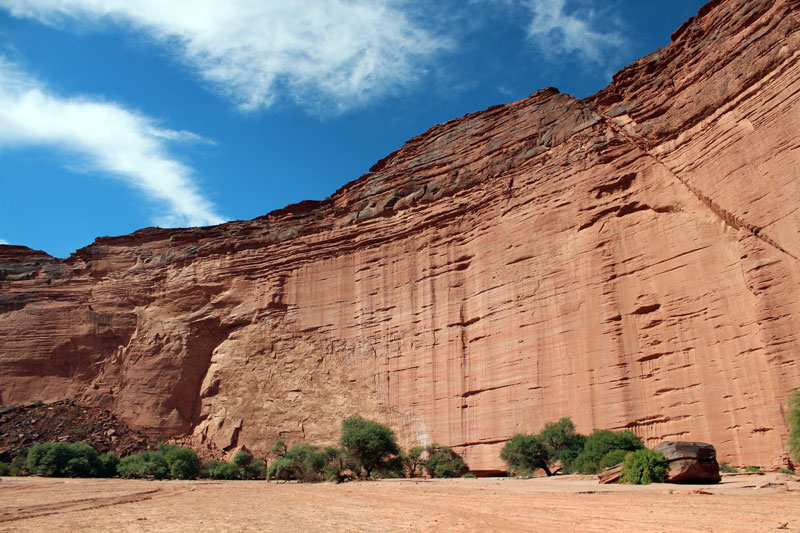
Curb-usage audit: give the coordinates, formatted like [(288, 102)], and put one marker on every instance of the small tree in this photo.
[(643, 467), (249, 466), (600, 443), (412, 461), (443, 461), (523, 454), (371, 444), (793, 419), (279, 449), (563, 442)]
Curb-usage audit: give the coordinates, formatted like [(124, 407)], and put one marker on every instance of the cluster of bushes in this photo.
[(65, 459), (558, 442), (167, 461), (367, 450)]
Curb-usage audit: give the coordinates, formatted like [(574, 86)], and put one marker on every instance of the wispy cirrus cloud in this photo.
[(107, 138), (3, 241), (558, 31), (326, 55)]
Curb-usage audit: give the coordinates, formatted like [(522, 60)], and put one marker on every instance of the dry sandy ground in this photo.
[(564, 503)]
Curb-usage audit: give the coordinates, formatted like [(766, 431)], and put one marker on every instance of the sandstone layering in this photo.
[(631, 260)]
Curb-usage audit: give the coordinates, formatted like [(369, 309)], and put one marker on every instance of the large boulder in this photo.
[(690, 462)]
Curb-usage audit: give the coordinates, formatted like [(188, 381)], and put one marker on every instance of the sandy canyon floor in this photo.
[(566, 503)]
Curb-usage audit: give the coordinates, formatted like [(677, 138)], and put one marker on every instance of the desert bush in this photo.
[(787, 471), (340, 466), (752, 469), (444, 462), (242, 458), (599, 444), (250, 467), (166, 461), (726, 468), (183, 462), (563, 442), (468, 475), (369, 443), (301, 462), (109, 462), (793, 419), (412, 461), (18, 465), (63, 459), (643, 467), (5, 469), (612, 458), (220, 470), (146, 464), (256, 469), (523, 454)]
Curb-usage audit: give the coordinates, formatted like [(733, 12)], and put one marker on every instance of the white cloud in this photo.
[(3, 241), (557, 32), (328, 55), (108, 138)]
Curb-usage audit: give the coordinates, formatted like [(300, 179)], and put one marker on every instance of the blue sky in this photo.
[(121, 114)]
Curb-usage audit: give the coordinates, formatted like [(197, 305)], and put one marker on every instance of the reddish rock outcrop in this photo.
[(690, 462), (629, 260)]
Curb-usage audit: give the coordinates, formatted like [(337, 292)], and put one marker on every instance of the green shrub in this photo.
[(339, 466), (444, 462), (256, 469), (109, 462), (301, 462), (85, 461), (600, 443), (183, 462), (468, 475), (787, 471), (147, 464), (242, 458), (562, 441), (369, 443), (392, 469), (726, 468), (64, 459), (250, 468), (523, 454), (612, 458), (752, 469), (5, 469), (793, 419), (643, 467), (221, 470), (412, 461), (19, 465)]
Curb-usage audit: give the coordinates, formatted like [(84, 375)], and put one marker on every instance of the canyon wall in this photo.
[(630, 260)]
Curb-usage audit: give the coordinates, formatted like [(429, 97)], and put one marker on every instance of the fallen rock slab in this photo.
[(690, 462)]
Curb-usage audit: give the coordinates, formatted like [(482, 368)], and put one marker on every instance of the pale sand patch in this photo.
[(564, 503)]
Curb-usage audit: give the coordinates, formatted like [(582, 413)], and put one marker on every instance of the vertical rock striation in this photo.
[(631, 260)]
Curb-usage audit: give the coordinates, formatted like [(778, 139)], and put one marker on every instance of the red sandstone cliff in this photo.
[(631, 260)]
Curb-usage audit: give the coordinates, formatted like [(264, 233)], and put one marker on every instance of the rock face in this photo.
[(690, 462), (629, 260)]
